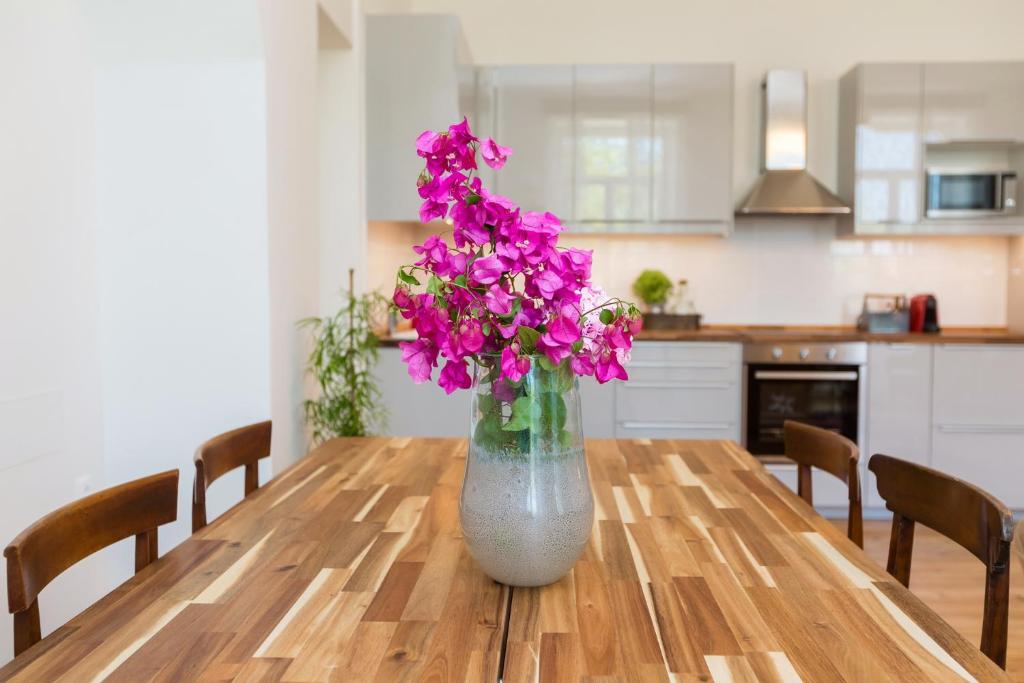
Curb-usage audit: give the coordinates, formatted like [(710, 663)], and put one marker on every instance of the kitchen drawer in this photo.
[(978, 385), (698, 354), (670, 430), (680, 402), (989, 457)]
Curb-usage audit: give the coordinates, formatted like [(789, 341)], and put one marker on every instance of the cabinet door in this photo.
[(974, 101), (534, 117), (613, 143), (476, 103), (419, 409), (979, 385), (692, 146), (411, 85), (888, 147), (597, 402), (989, 457), (899, 419)]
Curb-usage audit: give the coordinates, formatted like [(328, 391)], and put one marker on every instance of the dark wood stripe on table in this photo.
[(350, 566)]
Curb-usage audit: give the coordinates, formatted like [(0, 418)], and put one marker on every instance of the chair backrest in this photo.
[(242, 447), (812, 447), (69, 534), (961, 512), (1018, 543)]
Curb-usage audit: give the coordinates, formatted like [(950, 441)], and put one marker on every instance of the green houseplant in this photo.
[(653, 288), (345, 351)]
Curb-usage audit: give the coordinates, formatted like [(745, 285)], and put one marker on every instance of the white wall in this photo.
[(182, 236), (50, 420)]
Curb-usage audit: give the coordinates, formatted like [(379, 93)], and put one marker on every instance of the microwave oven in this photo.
[(969, 193)]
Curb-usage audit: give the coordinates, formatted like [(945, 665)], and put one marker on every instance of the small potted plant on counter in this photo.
[(515, 319), (654, 288)]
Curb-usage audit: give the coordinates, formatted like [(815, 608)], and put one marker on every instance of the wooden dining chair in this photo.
[(69, 534), (244, 446), (813, 447), (1018, 543), (963, 513)]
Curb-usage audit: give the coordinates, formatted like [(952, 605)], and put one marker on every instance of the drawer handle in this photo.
[(677, 425), (677, 385), (981, 429)]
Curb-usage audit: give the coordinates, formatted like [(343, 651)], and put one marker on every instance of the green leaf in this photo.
[(607, 316), (407, 278), (460, 281), (525, 411), (472, 199), (546, 363), (435, 285), (553, 413), (528, 338), (486, 329)]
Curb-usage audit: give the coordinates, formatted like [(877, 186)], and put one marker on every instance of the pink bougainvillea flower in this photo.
[(581, 364), (486, 270), (607, 367), (434, 252), (403, 301), (498, 301), (494, 154), (562, 330), (513, 366), (469, 337), (421, 357), (546, 283), (427, 143), (431, 210), (454, 375), (460, 133)]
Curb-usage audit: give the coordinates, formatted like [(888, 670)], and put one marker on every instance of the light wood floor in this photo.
[(952, 582)]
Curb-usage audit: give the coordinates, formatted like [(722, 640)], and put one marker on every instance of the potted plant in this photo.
[(653, 287), (514, 318), (342, 361)]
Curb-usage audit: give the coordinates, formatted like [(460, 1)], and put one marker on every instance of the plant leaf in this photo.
[(528, 338), (606, 316), (435, 285), (407, 278), (525, 411)]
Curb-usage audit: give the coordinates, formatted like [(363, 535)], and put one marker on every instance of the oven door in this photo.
[(825, 396), (960, 195)]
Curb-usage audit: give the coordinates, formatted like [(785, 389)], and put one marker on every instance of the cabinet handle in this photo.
[(705, 426), (677, 385), (981, 429)]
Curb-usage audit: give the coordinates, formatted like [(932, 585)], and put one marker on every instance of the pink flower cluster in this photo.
[(502, 286)]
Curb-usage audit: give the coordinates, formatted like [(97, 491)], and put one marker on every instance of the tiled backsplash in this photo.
[(778, 271)]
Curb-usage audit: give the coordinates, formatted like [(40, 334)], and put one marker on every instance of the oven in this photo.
[(818, 384)]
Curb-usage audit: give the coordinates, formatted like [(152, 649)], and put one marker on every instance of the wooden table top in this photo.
[(350, 566)]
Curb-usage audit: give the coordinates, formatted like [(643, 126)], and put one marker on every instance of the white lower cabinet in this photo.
[(681, 390), (978, 417), (899, 405), (419, 409)]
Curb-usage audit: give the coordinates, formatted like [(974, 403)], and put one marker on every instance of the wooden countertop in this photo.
[(813, 334), (350, 566)]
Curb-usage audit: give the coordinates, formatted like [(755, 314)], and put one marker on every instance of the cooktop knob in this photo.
[(804, 353), (776, 352), (831, 354)]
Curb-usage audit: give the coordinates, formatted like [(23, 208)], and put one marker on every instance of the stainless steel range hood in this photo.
[(785, 187)]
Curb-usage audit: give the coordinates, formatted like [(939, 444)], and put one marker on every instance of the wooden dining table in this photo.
[(350, 566)]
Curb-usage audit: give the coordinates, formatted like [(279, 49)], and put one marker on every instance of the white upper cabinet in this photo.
[(621, 148), (533, 107), (613, 128), (880, 157), (979, 102), (692, 145), (412, 84)]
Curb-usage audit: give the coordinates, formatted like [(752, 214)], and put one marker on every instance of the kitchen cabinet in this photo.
[(978, 417), (692, 146), (412, 84), (976, 101), (477, 99), (681, 391), (533, 116), (880, 150), (899, 416), (619, 148), (612, 107)]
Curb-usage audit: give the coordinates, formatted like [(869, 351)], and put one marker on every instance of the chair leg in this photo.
[(26, 628), (901, 548), (995, 619), (252, 478), (855, 524)]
